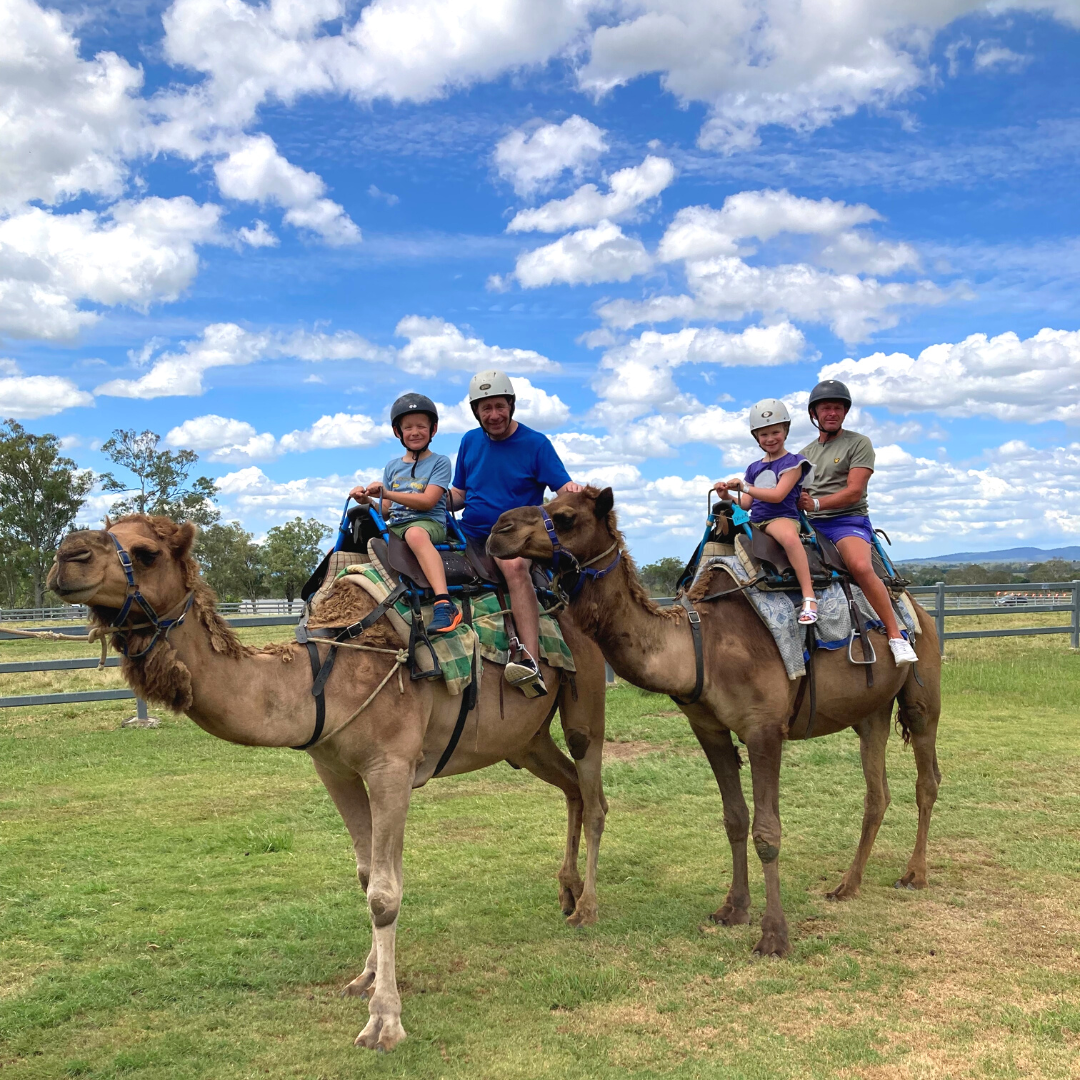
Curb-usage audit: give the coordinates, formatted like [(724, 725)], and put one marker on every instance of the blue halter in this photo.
[(582, 571), (161, 626)]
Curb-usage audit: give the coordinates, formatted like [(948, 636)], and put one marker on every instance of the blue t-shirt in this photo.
[(766, 474), (497, 476), (398, 476)]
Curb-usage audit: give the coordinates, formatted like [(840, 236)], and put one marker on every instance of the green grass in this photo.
[(172, 906)]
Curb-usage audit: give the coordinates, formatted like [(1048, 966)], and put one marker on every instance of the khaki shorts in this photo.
[(436, 531)]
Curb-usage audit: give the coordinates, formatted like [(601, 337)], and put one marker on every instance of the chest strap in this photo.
[(699, 654)]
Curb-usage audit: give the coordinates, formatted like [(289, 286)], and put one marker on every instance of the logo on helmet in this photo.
[(485, 386), (765, 415)]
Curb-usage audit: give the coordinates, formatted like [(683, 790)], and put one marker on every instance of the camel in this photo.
[(369, 763), (746, 692)]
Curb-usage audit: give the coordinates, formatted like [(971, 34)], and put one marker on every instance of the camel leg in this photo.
[(351, 799), (547, 762), (926, 789), (724, 759), (582, 718), (764, 747), (873, 738), (389, 787)]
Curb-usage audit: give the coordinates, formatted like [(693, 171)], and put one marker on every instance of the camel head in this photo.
[(584, 524), (87, 569)]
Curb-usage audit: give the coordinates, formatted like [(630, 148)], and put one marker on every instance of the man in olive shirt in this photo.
[(834, 498)]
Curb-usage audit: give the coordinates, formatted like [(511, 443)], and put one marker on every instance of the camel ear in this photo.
[(183, 539), (604, 502), (108, 524)]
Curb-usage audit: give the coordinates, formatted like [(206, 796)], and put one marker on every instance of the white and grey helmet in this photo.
[(489, 384), (767, 412)]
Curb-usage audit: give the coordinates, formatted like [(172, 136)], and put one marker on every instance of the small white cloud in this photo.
[(585, 257), (258, 237), (437, 345), (28, 397), (531, 161), (992, 54), (222, 439), (337, 431), (375, 193), (628, 190)]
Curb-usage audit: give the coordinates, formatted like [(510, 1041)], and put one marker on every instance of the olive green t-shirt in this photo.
[(832, 462)]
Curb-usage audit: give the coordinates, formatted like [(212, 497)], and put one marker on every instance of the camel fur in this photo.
[(369, 765), (746, 693)]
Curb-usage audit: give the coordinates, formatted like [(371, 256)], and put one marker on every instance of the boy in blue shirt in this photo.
[(500, 466), (413, 493)]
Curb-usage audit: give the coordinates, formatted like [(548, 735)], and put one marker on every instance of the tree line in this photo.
[(43, 492)]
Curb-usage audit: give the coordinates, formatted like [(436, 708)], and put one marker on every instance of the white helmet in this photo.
[(490, 384), (767, 412)]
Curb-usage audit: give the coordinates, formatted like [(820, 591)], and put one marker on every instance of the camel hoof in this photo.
[(360, 985), (909, 881), (583, 916), (380, 1034), (843, 892), (567, 900), (772, 945), (730, 916)]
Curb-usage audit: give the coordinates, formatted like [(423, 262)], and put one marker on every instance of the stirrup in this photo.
[(808, 617), (525, 677), (851, 645)]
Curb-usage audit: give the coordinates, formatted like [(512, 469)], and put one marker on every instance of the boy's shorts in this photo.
[(436, 531)]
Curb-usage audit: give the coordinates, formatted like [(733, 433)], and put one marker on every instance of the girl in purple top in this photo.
[(770, 491)]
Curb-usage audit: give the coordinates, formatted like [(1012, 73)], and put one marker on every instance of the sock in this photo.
[(439, 597)]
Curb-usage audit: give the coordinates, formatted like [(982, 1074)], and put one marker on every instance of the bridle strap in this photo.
[(582, 571), (162, 626)]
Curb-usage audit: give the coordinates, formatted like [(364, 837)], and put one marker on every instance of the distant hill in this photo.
[(1007, 555)]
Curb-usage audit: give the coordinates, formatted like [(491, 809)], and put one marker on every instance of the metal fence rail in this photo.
[(232, 607), (941, 601)]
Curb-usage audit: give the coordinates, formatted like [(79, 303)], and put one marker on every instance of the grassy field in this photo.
[(172, 906)]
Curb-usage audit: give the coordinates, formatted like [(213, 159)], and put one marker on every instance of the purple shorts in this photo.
[(836, 528)]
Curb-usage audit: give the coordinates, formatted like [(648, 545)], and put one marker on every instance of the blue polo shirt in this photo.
[(503, 475)]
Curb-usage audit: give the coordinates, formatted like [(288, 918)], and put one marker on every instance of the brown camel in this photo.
[(746, 691), (370, 763)]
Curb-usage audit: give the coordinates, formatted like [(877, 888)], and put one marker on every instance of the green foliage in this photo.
[(40, 493), (1054, 570), (291, 552), (161, 479), (660, 577), (231, 561), (976, 574)]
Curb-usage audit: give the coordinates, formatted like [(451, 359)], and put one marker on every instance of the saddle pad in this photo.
[(779, 613), (495, 642)]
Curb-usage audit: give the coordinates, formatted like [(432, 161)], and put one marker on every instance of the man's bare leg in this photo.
[(856, 554), (523, 601)]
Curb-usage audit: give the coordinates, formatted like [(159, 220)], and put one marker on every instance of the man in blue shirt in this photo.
[(500, 466)]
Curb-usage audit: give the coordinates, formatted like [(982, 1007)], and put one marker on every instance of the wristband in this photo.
[(817, 505)]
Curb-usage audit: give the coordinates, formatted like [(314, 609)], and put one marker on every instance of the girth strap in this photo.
[(860, 629), (468, 699), (699, 654), (320, 672)]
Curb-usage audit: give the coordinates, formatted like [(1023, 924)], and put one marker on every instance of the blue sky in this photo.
[(249, 227)]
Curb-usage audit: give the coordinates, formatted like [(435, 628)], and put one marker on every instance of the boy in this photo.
[(413, 493)]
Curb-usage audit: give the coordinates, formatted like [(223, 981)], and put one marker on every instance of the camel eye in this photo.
[(563, 522), (146, 556)]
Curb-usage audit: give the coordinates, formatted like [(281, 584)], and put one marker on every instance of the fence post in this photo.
[(609, 675), (939, 615), (1076, 614)]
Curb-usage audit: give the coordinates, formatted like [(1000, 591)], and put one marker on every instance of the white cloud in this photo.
[(251, 493), (434, 345), (339, 430), (259, 236), (254, 171), (437, 345), (534, 406), (531, 161), (222, 439), (992, 54), (386, 196), (628, 190), (27, 397), (585, 257), (1030, 380), (141, 252), (68, 122)]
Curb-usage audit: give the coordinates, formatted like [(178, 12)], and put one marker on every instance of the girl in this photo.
[(770, 491)]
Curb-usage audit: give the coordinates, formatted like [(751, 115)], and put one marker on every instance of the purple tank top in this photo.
[(766, 474)]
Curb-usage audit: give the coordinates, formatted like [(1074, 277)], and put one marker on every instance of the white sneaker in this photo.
[(902, 652)]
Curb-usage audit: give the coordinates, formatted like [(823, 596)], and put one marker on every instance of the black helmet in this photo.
[(410, 403), (829, 390)]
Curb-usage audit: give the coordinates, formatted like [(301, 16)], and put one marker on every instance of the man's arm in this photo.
[(855, 490), (570, 487), (455, 498)]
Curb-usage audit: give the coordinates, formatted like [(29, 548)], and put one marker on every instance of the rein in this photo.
[(162, 625), (565, 563)]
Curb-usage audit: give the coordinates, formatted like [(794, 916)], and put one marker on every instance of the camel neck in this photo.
[(643, 644), (253, 699)]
